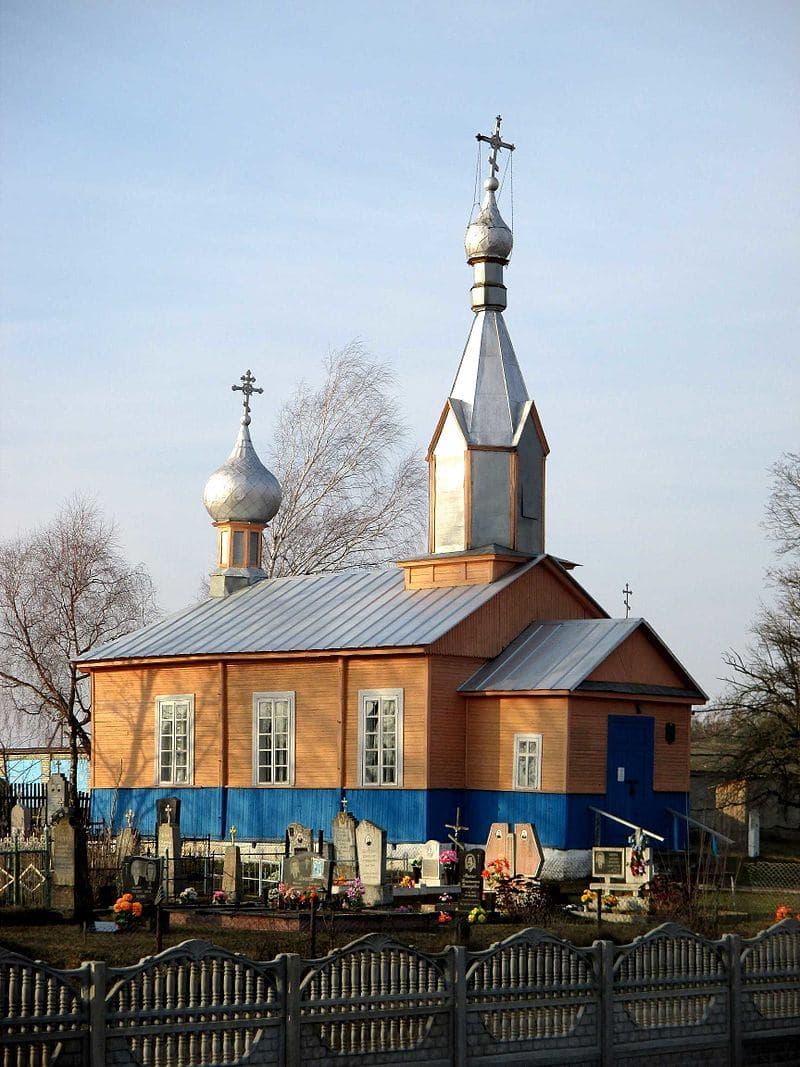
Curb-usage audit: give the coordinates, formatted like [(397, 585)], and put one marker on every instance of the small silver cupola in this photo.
[(488, 240), (241, 497)]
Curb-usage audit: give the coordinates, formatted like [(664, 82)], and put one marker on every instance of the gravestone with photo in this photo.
[(58, 797), (304, 870), (141, 875), (528, 850), (343, 832), (299, 838), (472, 865), (431, 866), (371, 851), (500, 844)]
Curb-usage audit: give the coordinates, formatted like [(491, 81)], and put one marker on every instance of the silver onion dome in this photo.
[(487, 236), (242, 489)]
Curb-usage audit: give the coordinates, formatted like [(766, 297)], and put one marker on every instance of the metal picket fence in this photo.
[(25, 871), (670, 997)]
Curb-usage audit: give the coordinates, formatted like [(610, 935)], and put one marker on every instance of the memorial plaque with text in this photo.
[(472, 863)]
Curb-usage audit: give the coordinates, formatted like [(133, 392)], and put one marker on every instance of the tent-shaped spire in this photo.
[(488, 451)]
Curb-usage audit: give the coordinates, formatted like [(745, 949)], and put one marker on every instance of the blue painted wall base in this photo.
[(563, 820)]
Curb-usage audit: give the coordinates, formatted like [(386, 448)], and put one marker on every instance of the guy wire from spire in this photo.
[(475, 200)]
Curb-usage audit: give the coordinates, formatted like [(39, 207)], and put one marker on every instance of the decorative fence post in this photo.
[(734, 945), (458, 960), (97, 1013), (607, 1002), (293, 979)]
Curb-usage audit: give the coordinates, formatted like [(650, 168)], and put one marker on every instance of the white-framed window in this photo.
[(273, 738), (175, 740), (380, 737), (527, 761)]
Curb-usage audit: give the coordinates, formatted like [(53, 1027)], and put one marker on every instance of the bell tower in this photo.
[(487, 456)]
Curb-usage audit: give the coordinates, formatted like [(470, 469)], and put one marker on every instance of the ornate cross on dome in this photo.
[(248, 389), (496, 143)]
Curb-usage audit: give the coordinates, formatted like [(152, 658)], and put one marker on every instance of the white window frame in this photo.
[(290, 697), (160, 702), (380, 694), (527, 738)]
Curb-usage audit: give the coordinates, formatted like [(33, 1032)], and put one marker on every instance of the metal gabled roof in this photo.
[(560, 656), (351, 609)]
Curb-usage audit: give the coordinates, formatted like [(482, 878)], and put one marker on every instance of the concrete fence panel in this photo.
[(671, 997)]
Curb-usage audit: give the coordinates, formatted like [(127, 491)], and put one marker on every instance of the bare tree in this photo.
[(64, 588), (759, 724), (352, 492)]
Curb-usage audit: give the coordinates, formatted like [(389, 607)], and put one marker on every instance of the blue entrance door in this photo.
[(629, 791)]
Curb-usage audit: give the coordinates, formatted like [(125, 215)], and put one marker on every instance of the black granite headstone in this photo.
[(168, 810), (141, 875), (472, 864)]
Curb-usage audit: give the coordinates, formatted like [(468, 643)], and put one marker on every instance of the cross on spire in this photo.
[(496, 143), (247, 388), (627, 593)]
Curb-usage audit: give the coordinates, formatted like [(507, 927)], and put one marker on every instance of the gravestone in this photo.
[(343, 832), (500, 844), (299, 837), (141, 875), (168, 810), (232, 874), (20, 820), (128, 844), (69, 869), (57, 796), (168, 846), (304, 870), (527, 850), (431, 867), (371, 851), (472, 864)]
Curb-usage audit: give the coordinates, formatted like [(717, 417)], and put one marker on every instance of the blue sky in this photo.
[(191, 189)]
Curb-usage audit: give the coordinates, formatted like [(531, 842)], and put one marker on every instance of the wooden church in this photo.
[(479, 676)]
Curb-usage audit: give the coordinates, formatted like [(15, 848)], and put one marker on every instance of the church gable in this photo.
[(542, 591), (642, 660)]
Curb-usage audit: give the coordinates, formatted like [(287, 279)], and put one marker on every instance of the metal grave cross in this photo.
[(129, 814), (456, 827), (247, 388), (627, 593), (343, 801), (232, 832), (496, 143)]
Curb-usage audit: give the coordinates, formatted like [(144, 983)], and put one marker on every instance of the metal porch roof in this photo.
[(560, 655)]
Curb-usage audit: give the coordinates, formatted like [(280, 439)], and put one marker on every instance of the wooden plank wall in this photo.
[(447, 733), (540, 593), (491, 725), (315, 684), (638, 659), (588, 736), (124, 717)]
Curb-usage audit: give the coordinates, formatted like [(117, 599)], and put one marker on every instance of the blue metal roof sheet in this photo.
[(360, 608)]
